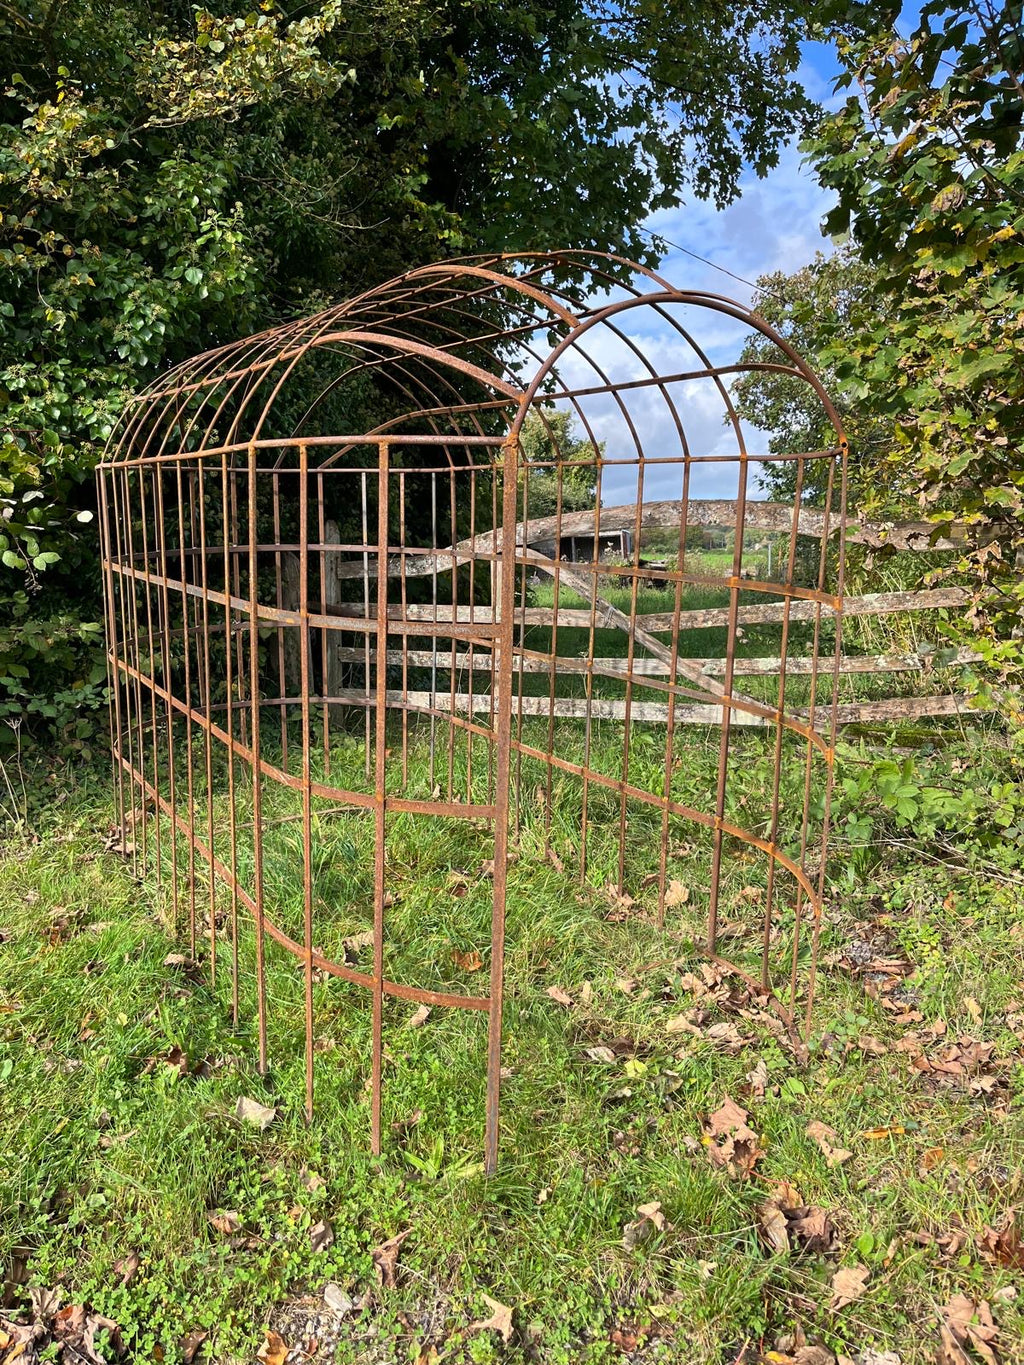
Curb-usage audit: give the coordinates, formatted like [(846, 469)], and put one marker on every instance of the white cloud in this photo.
[(773, 225)]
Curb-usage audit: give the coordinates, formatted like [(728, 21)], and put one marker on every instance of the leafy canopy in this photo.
[(927, 160), (172, 177)]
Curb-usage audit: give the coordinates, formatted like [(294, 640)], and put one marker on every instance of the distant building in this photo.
[(580, 549)]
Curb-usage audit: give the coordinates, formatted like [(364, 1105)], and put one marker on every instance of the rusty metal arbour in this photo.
[(360, 568)]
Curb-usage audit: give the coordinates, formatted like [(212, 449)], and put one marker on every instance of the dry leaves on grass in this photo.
[(321, 1236), (733, 1146), (500, 1320), (261, 1116), (419, 1018), (966, 1326), (467, 962), (757, 1079), (559, 996), (786, 1224), (825, 1137), (74, 1333), (676, 894), (848, 1283), (385, 1259), (274, 1350), (225, 1221), (965, 1064), (1004, 1246), (622, 904), (650, 1219)]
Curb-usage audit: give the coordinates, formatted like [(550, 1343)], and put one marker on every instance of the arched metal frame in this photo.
[(229, 511)]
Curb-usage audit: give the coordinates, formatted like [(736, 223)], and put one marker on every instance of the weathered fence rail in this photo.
[(650, 657)]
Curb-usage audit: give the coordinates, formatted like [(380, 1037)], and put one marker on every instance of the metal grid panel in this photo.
[(273, 587)]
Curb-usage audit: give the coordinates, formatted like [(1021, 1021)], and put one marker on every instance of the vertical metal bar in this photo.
[(236, 570), (630, 661), (107, 555), (230, 544), (405, 639), (379, 797), (150, 654), (833, 732), (556, 597), (452, 676), (257, 776), (809, 754), (168, 666), (433, 639), (507, 606), (367, 654), (208, 708), (773, 831), (279, 599), (588, 729), (495, 608), (136, 743), (670, 727), (307, 776), (730, 666), (472, 618), (324, 633), (503, 744), (187, 637)]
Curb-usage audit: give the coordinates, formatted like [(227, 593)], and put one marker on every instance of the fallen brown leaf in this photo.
[(127, 1267), (786, 1223), (191, 1344), (225, 1221), (467, 962), (848, 1283), (385, 1258), (932, 1158), (758, 1079), (676, 894), (968, 1324), (321, 1236), (1005, 1245), (813, 1355), (877, 1134), (823, 1135), (419, 1018), (554, 859), (274, 1350), (601, 1054), (261, 1116), (559, 996), (738, 1147), (500, 1320), (650, 1220)]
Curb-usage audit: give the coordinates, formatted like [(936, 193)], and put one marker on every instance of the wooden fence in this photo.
[(651, 659)]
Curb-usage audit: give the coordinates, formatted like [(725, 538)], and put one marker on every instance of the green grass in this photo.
[(103, 1154)]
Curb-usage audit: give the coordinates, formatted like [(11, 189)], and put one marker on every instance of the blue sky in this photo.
[(774, 224)]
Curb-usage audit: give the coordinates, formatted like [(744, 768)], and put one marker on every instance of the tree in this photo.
[(822, 310), (549, 435), (927, 159), (174, 177)]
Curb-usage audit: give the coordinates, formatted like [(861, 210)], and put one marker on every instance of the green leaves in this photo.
[(928, 168)]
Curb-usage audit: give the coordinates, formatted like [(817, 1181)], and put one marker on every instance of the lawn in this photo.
[(673, 1184)]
